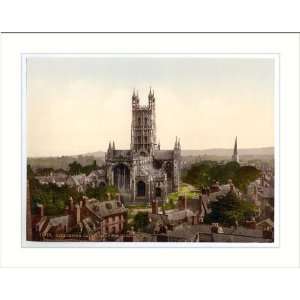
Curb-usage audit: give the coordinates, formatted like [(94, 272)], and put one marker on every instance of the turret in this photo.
[(176, 144), (151, 99), (109, 151), (135, 99)]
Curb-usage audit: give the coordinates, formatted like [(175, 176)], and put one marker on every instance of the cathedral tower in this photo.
[(143, 126)]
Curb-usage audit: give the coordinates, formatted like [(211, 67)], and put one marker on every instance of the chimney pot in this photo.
[(154, 207), (40, 209), (77, 212)]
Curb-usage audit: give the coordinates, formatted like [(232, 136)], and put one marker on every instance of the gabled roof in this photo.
[(105, 208)]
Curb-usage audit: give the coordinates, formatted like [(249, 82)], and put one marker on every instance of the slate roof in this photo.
[(267, 221), (163, 154), (267, 192), (170, 216), (122, 153), (240, 235), (230, 238), (105, 208)]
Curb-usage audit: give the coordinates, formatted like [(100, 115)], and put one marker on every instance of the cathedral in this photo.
[(144, 172)]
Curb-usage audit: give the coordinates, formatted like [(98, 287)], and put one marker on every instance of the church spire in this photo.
[(235, 146), (235, 156)]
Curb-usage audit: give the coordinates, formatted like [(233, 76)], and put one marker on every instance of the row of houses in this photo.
[(88, 220), (185, 223), (96, 178)]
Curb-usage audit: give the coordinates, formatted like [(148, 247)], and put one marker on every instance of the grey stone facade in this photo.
[(144, 172)]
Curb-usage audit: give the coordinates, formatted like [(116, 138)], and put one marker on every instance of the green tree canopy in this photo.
[(141, 220), (230, 209), (75, 168), (207, 172), (100, 193)]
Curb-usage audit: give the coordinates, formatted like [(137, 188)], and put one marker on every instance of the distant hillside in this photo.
[(95, 154), (266, 151), (213, 152), (87, 158), (62, 162)]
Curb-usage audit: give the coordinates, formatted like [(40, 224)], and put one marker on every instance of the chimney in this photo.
[(77, 213), (40, 209), (154, 205), (67, 210), (200, 204), (71, 203), (118, 195), (85, 200), (182, 202), (185, 201)]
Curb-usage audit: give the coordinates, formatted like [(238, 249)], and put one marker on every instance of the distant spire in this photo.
[(176, 143), (235, 156), (158, 145), (113, 146), (109, 146), (235, 146)]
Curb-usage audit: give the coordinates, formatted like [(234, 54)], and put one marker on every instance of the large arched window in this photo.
[(141, 189), (121, 175)]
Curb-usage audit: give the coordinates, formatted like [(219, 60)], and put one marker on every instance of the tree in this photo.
[(229, 209), (141, 220), (100, 193), (89, 168), (244, 176), (206, 173), (199, 174), (75, 168)]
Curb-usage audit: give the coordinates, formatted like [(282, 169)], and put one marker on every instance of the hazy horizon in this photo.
[(77, 105), (206, 149)]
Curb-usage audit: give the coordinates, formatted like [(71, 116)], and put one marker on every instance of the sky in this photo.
[(76, 105)]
